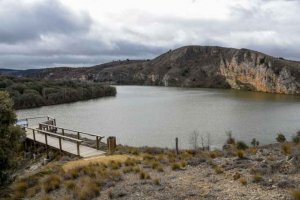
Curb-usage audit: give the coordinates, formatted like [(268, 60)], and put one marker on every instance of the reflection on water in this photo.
[(154, 116)]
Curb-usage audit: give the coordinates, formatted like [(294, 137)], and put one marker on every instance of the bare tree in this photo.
[(194, 139)]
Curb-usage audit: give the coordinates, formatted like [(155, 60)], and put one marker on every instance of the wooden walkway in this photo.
[(62, 142)]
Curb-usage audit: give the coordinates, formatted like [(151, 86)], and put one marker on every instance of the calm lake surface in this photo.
[(154, 116)]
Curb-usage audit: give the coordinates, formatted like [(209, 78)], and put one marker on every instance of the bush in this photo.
[(230, 139), (296, 139), (280, 138), (240, 154), (241, 145), (11, 138), (254, 142)]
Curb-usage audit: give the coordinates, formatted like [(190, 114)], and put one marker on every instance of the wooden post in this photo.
[(111, 144), (78, 151), (54, 122), (33, 133), (78, 135), (63, 131), (97, 141), (46, 143), (60, 147), (176, 143)]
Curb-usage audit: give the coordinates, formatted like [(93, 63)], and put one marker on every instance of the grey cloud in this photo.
[(49, 34), (20, 23)]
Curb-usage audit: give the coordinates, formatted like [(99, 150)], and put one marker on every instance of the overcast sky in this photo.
[(48, 33)]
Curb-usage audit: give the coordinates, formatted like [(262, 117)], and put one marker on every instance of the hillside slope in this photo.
[(195, 66)]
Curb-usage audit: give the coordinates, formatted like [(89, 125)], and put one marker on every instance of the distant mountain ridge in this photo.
[(192, 66)]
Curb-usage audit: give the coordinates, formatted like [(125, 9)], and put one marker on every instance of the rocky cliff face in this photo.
[(215, 67), (196, 66)]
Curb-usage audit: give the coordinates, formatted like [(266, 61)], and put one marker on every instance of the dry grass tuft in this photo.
[(156, 181), (175, 166), (51, 182), (236, 176), (240, 154), (296, 194), (243, 181), (89, 189), (286, 149), (218, 170), (70, 185)]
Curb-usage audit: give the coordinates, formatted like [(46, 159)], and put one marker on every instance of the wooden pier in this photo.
[(65, 140)]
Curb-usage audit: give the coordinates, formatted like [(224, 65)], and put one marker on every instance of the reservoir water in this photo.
[(154, 116)]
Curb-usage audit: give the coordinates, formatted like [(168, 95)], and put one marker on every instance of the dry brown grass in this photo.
[(51, 182), (103, 160), (296, 194), (286, 149), (70, 185), (175, 166), (87, 189), (218, 170), (243, 181)]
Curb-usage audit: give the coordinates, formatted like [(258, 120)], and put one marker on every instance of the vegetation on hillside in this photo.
[(10, 138), (29, 93)]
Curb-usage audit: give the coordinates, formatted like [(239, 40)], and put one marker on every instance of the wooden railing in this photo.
[(60, 137), (48, 119), (49, 127)]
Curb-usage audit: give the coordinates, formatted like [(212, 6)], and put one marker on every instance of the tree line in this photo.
[(30, 93)]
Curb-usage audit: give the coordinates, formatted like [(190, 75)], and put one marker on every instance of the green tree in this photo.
[(10, 138)]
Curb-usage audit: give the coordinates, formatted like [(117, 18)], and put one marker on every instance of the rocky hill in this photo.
[(194, 66)]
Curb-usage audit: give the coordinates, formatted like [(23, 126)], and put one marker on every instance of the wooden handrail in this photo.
[(65, 129), (55, 135)]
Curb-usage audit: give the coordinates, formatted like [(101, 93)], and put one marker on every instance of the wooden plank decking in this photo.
[(67, 146)]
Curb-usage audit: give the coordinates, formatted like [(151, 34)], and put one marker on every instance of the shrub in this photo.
[(240, 154), (230, 139), (10, 141), (286, 149), (254, 142), (280, 138), (296, 139), (241, 145)]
